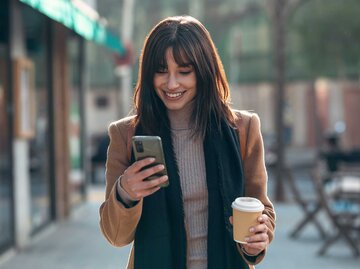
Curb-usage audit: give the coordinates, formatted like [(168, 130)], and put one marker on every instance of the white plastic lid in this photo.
[(247, 204)]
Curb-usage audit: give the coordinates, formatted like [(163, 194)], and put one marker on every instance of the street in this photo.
[(78, 244)]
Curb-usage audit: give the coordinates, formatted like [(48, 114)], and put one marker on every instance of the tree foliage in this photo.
[(329, 31)]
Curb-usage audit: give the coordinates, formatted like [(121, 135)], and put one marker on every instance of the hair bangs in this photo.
[(158, 60), (182, 56)]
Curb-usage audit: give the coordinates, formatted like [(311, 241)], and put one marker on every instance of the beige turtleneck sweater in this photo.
[(191, 164)]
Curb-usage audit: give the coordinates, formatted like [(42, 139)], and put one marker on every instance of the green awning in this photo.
[(64, 12)]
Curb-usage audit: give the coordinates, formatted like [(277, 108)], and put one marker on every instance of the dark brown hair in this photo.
[(191, 44)]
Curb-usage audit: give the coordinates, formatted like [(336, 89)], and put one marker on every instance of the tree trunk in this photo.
[(279, 46)]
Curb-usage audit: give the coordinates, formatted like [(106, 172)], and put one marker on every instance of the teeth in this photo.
[(173, 95)]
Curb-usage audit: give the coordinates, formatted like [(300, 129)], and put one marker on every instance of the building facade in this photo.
[(43, 168)]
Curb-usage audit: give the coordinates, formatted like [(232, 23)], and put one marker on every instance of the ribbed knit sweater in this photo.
[(191, 164)]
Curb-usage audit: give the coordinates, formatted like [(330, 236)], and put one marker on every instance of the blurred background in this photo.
[(68, 68)]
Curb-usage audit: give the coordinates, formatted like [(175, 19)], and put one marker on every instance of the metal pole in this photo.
[(126, 70)]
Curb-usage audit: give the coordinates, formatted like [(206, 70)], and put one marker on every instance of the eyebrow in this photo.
[(186, 65)]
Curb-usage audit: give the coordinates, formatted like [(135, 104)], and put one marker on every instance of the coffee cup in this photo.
[(246, 211)]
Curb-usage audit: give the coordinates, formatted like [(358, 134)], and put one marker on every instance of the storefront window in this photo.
[(76, 176), (6, 220), (35, 29), (6, 204)]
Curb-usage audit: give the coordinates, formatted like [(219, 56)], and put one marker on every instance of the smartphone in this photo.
[(150, 146)]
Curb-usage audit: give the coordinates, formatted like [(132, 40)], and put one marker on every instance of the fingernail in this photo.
[(247, 239), (260, 219), (252, 230), (152, 159)]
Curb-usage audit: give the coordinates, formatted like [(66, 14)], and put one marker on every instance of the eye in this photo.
[(186, 70)]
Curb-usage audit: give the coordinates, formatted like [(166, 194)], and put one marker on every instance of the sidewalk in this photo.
[(73, 244), (78, 244)]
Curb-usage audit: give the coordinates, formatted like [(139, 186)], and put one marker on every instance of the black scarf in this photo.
[(160, 239)]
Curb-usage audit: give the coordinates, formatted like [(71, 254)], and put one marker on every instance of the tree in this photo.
[(280, 11), (330, 36)]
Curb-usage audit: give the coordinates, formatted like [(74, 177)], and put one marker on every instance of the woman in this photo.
[(182, 96)]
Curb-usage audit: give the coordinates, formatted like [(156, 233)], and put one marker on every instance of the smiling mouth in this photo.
[(174, 95)]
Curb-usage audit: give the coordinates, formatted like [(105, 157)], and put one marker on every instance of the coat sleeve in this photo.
[(117, 223), (255, 172)]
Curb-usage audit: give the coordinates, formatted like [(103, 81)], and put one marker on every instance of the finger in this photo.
[(138, 189), (231, 220), (263, 218), (150, 171), (261, 228), (138, 165), (131, 178), (154, 182), (255, 248), (259, 244), (257, 238)]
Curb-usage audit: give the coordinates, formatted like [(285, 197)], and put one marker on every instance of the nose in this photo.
[(172, 82)]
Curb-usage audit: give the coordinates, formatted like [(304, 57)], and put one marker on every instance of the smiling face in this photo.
[(180, 71), (175, 84)]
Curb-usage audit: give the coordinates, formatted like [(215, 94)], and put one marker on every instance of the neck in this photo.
[(180, 119)]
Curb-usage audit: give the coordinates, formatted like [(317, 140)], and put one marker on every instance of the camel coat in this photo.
[(118, 223)]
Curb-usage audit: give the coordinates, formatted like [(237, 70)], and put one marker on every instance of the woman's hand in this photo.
[(259, 239), (132, 181)]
